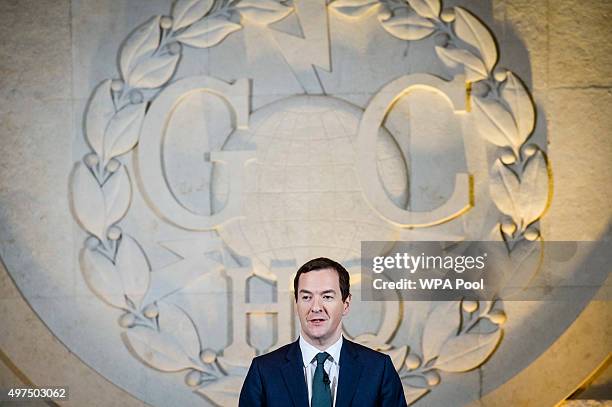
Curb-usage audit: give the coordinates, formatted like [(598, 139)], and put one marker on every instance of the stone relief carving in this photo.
[(135, 110), (150, 151), (373, 119)]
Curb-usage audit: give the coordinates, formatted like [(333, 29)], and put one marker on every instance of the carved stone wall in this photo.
[(167, 166)]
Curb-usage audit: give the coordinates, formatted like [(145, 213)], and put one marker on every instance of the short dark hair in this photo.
[(322, 263)]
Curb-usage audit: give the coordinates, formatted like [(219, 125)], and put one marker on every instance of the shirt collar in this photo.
[(309, 352)]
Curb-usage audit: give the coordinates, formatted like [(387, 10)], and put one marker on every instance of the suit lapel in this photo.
[(293, 375), (350, 371)]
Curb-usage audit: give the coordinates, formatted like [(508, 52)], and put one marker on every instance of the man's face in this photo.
[(320, 306)]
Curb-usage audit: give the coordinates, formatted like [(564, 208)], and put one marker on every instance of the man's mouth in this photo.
[(317, 321)]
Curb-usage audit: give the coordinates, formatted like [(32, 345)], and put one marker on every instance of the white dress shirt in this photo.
[(331, 366)]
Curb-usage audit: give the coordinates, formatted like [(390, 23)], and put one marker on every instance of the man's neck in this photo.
[(322, 344)]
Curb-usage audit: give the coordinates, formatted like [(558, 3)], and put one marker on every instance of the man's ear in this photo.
[(347, 304)]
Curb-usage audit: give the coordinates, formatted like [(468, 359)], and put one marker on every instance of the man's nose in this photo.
[(316, 305)]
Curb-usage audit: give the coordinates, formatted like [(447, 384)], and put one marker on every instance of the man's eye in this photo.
[(328, 297), (305, 297)]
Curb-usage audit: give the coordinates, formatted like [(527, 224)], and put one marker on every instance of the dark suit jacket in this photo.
[(367, 378)]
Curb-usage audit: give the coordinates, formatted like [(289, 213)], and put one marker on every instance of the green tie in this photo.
[(321, 393)]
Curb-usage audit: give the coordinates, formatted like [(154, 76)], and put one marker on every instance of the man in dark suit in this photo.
[(321, 368)]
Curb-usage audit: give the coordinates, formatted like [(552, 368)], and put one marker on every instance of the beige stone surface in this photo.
[(548, 380), (35, 92), (579, 124), (33, 31), (6, 286), (42, 360), (526, 36), (566, 41), (579, 44), (35, 107), (11, 377), (599, 386)]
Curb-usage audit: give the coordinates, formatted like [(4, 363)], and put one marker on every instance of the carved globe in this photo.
[(302, 195)]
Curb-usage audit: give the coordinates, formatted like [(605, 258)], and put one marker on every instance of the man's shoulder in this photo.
[(366, 354), (277, 356)]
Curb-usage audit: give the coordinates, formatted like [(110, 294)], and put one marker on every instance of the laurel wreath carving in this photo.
[(502, 107), (458, 336), (520, 187), (114, 265)]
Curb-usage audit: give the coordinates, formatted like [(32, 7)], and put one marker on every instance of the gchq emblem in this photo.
[(302, 175)]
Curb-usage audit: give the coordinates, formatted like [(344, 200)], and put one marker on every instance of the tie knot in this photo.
[(321, 357)]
